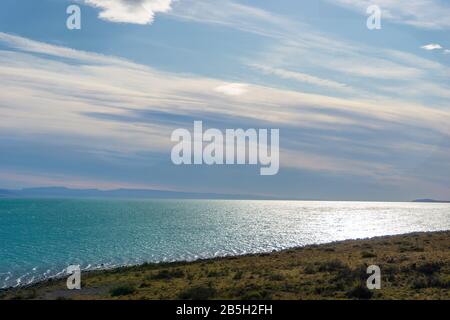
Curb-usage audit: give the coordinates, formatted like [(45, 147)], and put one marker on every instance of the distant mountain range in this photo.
[(62, 192), (431, 201)]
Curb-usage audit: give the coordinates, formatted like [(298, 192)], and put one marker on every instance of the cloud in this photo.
[(231, 14), (130, 11), (232, 89), (301, 77), (95, 85), (427, 14), (252, 20), (104, 104), (432, 46), (345, 65), (28, 45), (292, 39)]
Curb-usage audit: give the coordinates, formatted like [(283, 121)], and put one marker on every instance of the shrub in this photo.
[(429, 268), (213, 274), (310, 269), (257, 295), (346, 276), (389, 272), (436, 282), (325, 291), (198, 293), (276, 277), (419, 283), (144, 285), (26, 295), (122, 290), (238, 275), (430, 282), (330, 266), (360, 273), (367, 254), (411, 248), (167, 274), (360, 292)]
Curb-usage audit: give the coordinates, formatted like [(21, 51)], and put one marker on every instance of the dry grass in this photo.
[(413, 266)]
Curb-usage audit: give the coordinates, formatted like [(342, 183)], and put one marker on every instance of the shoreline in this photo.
[(58, 277), (99, 268), (330, 271)]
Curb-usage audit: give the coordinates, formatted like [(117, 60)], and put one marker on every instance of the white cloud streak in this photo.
[(301, 77), (345, 60), (426, 14), (100, 102)]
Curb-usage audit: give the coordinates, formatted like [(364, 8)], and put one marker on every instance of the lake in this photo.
[(41, 237)]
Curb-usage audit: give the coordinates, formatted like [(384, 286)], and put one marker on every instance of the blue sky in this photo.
[(363, 114)]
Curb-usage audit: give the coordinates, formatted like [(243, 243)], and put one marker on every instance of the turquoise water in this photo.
[(40, 238)]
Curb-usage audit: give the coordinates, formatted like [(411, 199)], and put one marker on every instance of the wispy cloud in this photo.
[(253, 20), (231, 14), (130, 11), (95, 80), (354, 66), (427, 14), (108, 103), (301, 77), (29, 45)]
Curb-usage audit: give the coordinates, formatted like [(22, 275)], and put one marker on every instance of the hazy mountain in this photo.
[(6, 193), (431, 201), (62, 192)]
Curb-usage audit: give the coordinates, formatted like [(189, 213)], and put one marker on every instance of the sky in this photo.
[(363, 114)]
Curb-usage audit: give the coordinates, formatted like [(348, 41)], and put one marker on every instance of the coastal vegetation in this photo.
[(413, 266)]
